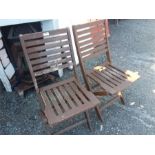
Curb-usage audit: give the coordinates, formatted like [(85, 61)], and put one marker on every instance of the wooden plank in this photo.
[(0, 34), (88, 94), (47, 46), (90, 24), (4, 79), (49, 70), (96, 35), (43, 34), (5, 62), (50, 58), (9, 71), (102, 84), (72, 94), (92, 41), (78, 93), (115, 73), (66, 97), (112, 76), (52, 63), (94, 29), (61, 100), (104, 80), (54, 102), (49, 111), (1, 44), (45, 40), (109, 78), (48, 52)]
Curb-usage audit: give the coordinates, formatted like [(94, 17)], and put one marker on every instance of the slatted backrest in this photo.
[(46, 52), (91, 40)]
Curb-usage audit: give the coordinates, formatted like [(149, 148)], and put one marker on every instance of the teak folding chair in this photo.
[(91, 41), (46, 52)]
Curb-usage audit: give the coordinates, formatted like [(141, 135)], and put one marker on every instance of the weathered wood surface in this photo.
[(4, 79), (1, 44)]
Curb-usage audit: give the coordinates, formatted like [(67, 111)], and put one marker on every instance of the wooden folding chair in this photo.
[(46, 52), (91, 41)]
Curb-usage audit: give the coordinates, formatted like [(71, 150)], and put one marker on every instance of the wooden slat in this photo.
[(60, 99), (104, 79), (53, 63), (41, 34), (48, 108), (91, 24), (32, 36), (66, 97), (93, 49), (78, 93), (112, 76), (118, 74), (108, 78), (94, 29), (96, 35), (50, 58), (103, 85), (45, 40), (88, 94), (49, 70), (91, 41), (54, 102), (48, 52), (72, 94), (47, 46)]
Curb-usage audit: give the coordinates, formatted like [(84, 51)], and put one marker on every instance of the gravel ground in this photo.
[(132, 44)]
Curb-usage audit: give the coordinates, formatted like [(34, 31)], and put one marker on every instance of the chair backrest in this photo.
[(91, 41), (46, 52)]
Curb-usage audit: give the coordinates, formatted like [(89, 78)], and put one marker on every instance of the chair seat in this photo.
[(66, 99), (112, 79)]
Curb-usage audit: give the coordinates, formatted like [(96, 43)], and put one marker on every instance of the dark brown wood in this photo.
[(47, 52), (91, 40)]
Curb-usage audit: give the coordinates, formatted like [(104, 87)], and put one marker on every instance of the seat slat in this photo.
[(54, 102), (81, 96), (60, 99), (72, 94), (112, 76), (107, 77), (122, 77), (105, 86), (48, 108), (66, 97), (91, 98), (104, 80), (117, 71)]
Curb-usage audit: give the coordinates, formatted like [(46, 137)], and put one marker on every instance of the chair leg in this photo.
[(88, 120), (121, 98), (98, 112)]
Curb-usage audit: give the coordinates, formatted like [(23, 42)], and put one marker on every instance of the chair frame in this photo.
[(83, 32), (27, 42)]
